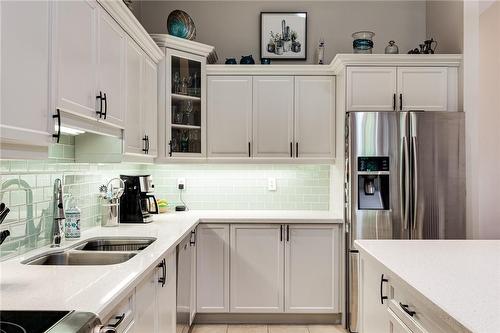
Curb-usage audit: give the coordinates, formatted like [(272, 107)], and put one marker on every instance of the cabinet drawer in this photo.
[(122, 315), (418, 313)]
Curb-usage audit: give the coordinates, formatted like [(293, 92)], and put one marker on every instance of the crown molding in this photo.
[(181, 44)]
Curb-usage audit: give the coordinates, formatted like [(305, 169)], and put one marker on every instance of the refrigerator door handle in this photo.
[(403, 182), (415, 181)]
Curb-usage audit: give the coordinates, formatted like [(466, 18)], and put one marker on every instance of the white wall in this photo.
[(444, 23), (233, 26)]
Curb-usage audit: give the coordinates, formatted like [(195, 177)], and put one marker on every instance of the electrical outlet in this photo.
[(271, 184), (181, 182)]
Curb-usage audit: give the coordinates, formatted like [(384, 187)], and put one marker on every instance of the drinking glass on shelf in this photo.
[(188, 109), (177, 81), (184, 142), (184, 85)]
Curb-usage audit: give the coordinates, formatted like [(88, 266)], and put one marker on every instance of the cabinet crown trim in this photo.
[(119, 11), (181, 44)]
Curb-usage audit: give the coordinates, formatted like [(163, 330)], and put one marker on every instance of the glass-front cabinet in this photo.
[(185, 105)]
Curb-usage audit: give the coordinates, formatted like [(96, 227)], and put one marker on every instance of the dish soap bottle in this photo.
[(72, 221)]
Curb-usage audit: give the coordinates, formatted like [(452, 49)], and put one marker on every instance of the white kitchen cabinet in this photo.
[(423, 88), (256, 268), (75, 56), (149, 106), (312, 269), (24, 64), (373, 296), (111, 44), (212, 274), (155, 298), (273, 116), (396, 325), (371, 88), (229, 111), (133, 135), (402, 88), (146, 319), (166, 295), (314, 117)]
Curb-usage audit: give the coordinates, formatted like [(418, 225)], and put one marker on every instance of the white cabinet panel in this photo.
[(371, 88), (256, 268), (166, 296), (212, 257), (229, 110), (111, 43), (75, 56), (311, 269), (149, 102), (314, 117), (423, 88), (396, 325), (146, 319), (273, 116), (373, 313), (24, 66), (133, 129)]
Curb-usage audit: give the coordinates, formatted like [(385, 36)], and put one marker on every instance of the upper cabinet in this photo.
[(75, 56), (402, 88), (274, 118), (24, 83), (315, 117), (111, 69), (230, 116), (182, 99)]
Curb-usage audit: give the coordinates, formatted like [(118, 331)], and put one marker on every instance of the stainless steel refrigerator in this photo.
[(405, 179)]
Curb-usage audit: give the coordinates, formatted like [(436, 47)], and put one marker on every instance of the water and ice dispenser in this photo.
[(373, 183)]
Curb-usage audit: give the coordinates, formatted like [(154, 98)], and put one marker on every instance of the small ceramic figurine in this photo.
[(392, 48), (231, 61), (247, 60)]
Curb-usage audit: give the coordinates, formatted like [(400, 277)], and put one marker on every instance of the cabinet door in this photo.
[(273, 116), (149, 102), (423, 88), (166, 295), (133, 133), (395, 324), (311, 269), (256, 269), (146, 308), (212, 254), (75, 56), (314, 117), (24, 64), (371, 88), (111, 48), (229, 110), (372, 312)]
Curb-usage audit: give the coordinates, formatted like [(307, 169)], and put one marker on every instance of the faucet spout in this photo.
[(58, 214)]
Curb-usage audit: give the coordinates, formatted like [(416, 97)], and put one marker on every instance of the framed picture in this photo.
[(283, 35)]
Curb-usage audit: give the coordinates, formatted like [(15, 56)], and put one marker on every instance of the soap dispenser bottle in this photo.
[(72, 222)]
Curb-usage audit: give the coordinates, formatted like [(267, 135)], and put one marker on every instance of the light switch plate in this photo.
[(271, 184)]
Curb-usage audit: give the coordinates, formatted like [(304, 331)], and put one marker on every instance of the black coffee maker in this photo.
[(138, 202)]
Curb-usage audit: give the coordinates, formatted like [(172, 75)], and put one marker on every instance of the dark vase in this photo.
[(247, 60), (265, 61), (231, 61)]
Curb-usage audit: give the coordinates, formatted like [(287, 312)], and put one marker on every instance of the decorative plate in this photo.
[(180, 24)]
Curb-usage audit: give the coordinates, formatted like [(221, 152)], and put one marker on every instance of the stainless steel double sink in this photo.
[(94, 251)]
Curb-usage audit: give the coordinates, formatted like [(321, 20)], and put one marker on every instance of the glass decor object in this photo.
[(363, 42), (180, 24), (392, 48)]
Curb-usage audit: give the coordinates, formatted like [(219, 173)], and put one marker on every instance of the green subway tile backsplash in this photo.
[(26, 188)]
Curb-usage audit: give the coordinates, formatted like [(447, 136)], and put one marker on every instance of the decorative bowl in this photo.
[(180, 24)]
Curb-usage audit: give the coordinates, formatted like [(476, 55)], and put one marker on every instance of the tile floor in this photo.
[(268, 329)]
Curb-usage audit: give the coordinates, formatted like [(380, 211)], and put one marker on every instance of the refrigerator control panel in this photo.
[(373, 163)]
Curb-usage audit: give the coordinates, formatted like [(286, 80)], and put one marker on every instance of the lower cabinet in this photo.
[(256, 268), (268, 268), (155, 299)]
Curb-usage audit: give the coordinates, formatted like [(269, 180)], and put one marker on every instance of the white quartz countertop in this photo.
[(462, 277), (98, 289)]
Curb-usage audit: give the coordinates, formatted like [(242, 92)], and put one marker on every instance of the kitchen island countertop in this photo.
[(462, 277)]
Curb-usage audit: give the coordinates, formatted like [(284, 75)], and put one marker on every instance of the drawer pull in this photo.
[(382, 280), (405, 309)]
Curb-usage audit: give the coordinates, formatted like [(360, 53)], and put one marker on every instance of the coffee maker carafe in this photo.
[(138, 202)]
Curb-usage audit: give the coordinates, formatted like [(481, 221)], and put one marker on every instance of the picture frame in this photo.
[(283, 35)]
